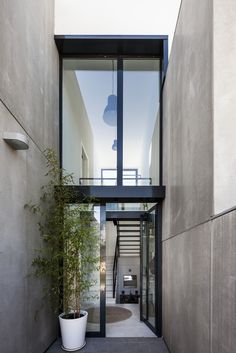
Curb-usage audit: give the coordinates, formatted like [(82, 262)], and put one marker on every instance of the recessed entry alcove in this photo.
[(111, 140)]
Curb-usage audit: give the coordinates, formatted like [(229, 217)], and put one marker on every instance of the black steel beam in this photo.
[(113, 45), (103, 194), (123, 215)]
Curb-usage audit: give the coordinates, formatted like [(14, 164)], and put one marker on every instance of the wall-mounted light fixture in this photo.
[(16, 140)]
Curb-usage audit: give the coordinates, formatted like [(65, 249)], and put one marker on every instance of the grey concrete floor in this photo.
[(118, 345), (131, 327)]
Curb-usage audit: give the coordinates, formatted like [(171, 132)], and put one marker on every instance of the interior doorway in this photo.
[(131, 291)]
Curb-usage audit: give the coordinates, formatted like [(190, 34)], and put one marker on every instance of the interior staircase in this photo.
[(127, 245), (128, 235)]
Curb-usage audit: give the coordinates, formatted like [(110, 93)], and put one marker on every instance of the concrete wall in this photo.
[(188, 132), (28, 104), (199, 273), (107, 17), (77, 132), (199, 248)]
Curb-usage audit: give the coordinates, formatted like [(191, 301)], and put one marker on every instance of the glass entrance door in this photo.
[(149, 295), (143, 271)]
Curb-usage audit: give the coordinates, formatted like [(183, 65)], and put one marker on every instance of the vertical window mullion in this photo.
[(120, 121)]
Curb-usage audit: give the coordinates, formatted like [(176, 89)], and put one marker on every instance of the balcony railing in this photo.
[(113, 181)]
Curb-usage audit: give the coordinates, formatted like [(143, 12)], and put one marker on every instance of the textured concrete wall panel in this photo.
[(224, 284), (29, 92), (187, 121), (29, 67), (186, 291), (21, 306)]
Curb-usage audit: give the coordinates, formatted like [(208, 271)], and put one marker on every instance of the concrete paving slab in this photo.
[(118, 345)]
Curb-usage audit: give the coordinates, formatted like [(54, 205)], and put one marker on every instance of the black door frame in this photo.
[(158, 269), (142, 216)]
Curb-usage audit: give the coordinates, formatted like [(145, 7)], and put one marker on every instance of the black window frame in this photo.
[(119, 48)]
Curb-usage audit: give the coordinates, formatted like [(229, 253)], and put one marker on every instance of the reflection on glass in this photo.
[(91, 299), (141, 122), (90, 120), (126, 207), (144, 269), (151, 269), (129, 206), (130, 281)]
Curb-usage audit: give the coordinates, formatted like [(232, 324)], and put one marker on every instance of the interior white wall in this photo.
[(224, 94), (111, 235), (76, 128), (125, 264), (106, 17), (155, 150)]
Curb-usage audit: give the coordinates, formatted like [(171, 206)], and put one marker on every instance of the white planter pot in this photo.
[(73, 332)]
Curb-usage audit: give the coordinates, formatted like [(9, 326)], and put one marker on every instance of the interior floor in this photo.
[(131, 327)]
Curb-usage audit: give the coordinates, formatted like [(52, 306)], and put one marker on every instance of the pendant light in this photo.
[(110, 112), (114, 146)]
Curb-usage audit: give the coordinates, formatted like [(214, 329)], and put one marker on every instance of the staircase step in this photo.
[(127, 240), (127, 250), (129, 236), (129, 225), (130, 255), (129, 245), (128, 229)]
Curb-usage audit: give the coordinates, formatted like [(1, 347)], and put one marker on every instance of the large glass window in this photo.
[(90, 120), (92, 299), (141, 122)]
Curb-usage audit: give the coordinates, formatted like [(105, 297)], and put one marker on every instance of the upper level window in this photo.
[(91, 118), (141, 119), (87, 86)]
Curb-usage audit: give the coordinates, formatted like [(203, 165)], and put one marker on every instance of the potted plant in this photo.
[(69, 252)]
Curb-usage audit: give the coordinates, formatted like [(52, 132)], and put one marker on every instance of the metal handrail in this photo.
[(114, 179)]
